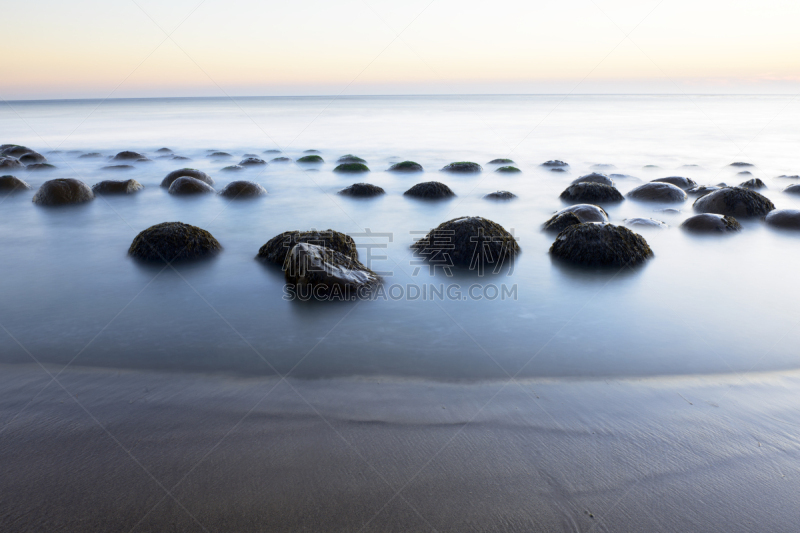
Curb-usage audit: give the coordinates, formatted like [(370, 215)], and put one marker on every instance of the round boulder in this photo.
[(350, 158), (32, 157), (430, 190), (10, 162), (187, 186), (128, 156), (173, 241), (702, 190), (63, 192), (117, 187), (163, 151), (232, 168), (645, 223), (362, 190), (242, 189), (189, 172), (508, 170), (500, 195), (278, 247), (657, 192), (601, 245), (252, 161), (501, 162), (784, 218), (328, 272), (117, 167), (311, 159), (462, 167), (14, 150), (586, 213), (554, 163), (219, 155), (561, 221), (711, 223), (473, 242), (753, 184), (793, 189), (406, 166), (351, 168), (12, 184), (678, 181), (594, 177), (281, 160), (591, 192), (734, 201), (90, 155), (40, 166)]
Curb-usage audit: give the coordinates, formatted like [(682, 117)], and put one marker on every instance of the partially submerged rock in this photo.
[(10, 162), (501, 161), (561, 221), (586, 213), (753, 184), (473, 242), (793, 189), (744, 173), (32, 157), (508, 170), (163, 151), (795, 177), (784, 219), (555, 163), (219, 155), (190, 172), (594, 177), (14, 150), (173, 241), (462, 167), (281, 160), (557, 170), (90, 155), (351, 168), (40, 166), (12, 184), (741, 164), (350, 158), (127, 156), (117, 187), (186, 186), (711, 223), (406, 166), (702, 190), (500, 195), (310, 159), (645, 223), (430, 190), (678, 181), (657, 192), (604, 245), (591, 192), (311, 151), (327, 272), (272, 151), (232, 168), (117, 167), (278, 247), (181, 158), (242, 189), (362, 190), (63, 191), (252, 161), (734, 201)]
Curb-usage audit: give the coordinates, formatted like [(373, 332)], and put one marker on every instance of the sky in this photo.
[(144, 48)]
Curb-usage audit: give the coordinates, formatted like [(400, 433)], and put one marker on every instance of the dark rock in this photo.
[(790, 177), (500, 195), (557, 170), (281, 160), (362, 190), (591, 193), (40, 166), (793, 189), (219, 155), (430, 190), (14, 150), (311, 152), (784, 218), (350, 158), (740, 164), (594, 177), (508, 170), (501, 162), (252, 161), (249, 155), (32, 157), (273, 151), (657, 192), (232, 168), (12, 184), (62, 192), (702, 190), (186, 185), (277, 248), (601, 245), (117, 167), (744, 173), (678, 181), (554, 163), (327, 271), (144, 160), (163, 151), (90, 155), (406, 166), (190, 172), (173, 241), (645, 223), (473, 242), (181, 158), (711, 223), (117, 187), (310, 159), (462, 167), (242, 189), (585, 213), (127, 156), (734, 201), (753, 184), (561, 221), (10, 162), (351, 168)]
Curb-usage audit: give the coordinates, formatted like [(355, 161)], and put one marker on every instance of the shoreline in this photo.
[(188, 452)]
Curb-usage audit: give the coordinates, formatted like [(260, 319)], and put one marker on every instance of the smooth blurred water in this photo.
[(703, 304)]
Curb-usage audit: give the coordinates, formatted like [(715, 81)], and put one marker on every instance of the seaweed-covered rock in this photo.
[(645, 223), (678, 181), (40, 166), (232, 168), (793, 189), (327, 272), (554, 163), (219, 155), (362, 190), (127, 156), (462, 167), (63, 191), (281, 160), (702, 190), (406, 166), (500, 195), (186, 186), (508, 170), (90, 155), (242, 189), (741, 164), (350, 158), (278, 247), (190, 172), (784, 218), (591, 192), (604, 245), (586, 213), (32, 157), (117, 167), (501, 161), (351, 168), (12, 184), (117, 187), (252, 161), (473, 242), (10, 162), (430, 190), (310, 159), (561, 221), (173, 241), (753, 184), (734, 201), (657, 192), (711, 223), (594, 177)]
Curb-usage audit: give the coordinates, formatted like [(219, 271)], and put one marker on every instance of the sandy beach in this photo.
[(135, 451)]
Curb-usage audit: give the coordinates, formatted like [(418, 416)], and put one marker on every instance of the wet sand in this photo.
[(136, 451)]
